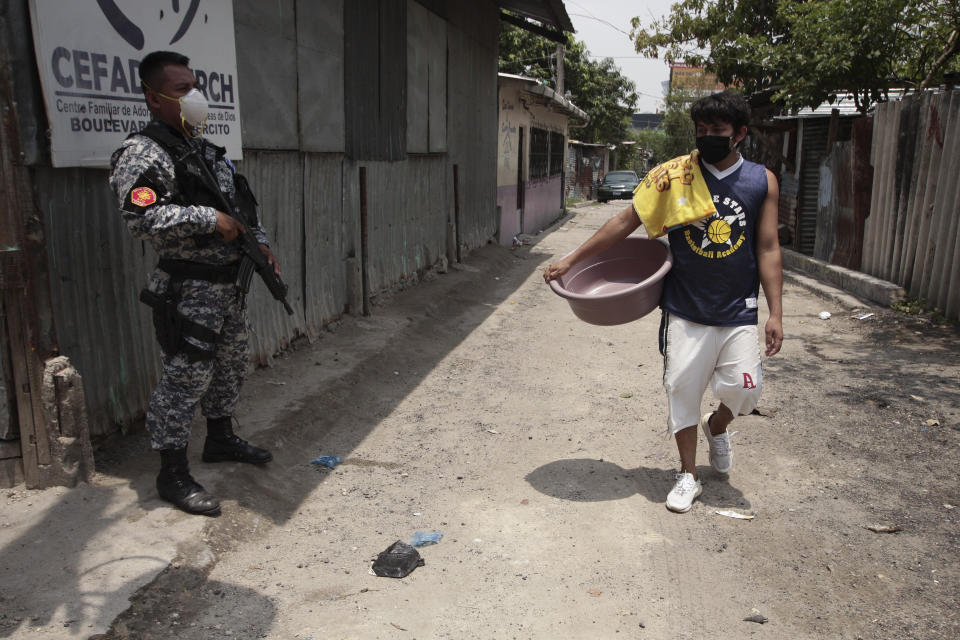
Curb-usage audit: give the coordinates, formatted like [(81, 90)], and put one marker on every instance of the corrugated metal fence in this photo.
[(846, 179), (912, 236), (308, 190), (96, 273)]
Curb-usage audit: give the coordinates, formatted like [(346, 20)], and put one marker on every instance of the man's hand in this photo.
[(774, 336), (271, 259), (555, 270), (770, 265), (613, 231), (228, 227)]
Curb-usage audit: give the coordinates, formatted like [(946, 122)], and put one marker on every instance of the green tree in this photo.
[(526, 54), (628, 153), (805, 52), (596, 86), (678, 128), (651, 148)]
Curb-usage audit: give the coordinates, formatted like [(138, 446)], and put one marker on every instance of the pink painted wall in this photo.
[(509, 214), (542, 203), (541, 206)]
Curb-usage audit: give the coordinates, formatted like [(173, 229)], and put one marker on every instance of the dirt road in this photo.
[(476, 404)]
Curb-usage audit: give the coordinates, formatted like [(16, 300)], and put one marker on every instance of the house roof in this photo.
[(844, 104), (589, 144), (550, 12), (554, 99)]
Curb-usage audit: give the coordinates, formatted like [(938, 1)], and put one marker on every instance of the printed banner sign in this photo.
[(88, 52)]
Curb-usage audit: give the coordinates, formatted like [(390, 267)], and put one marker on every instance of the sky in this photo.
[(604, 27)]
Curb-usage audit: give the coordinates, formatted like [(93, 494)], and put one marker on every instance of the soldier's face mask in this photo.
[(193, 108)]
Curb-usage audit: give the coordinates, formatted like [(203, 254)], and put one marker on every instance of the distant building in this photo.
[(586, 165), (531, 154), (687, 77), (641, 121)]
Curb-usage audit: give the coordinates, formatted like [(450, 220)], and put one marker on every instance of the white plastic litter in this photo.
[(734, 514)]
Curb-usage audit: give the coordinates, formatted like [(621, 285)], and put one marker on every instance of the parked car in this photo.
[(617, 184)]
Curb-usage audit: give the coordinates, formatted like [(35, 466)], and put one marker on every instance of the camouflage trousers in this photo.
[(214, 383)]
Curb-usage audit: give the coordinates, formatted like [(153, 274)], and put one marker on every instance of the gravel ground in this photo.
[(476, 404)]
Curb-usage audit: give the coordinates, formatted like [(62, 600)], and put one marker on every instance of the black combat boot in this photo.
[(174, 484), (223, 446)]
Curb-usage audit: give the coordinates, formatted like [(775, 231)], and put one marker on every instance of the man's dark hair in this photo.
[(151, 67), (726, 106)]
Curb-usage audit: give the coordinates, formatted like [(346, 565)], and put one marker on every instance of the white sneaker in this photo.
[(721, 453), (684, 492)]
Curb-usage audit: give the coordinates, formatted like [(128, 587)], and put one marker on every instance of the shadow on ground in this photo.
[(589, 480), (423, 325)]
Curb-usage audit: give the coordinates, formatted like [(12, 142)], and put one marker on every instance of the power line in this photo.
[(591, 55), (601, 20)]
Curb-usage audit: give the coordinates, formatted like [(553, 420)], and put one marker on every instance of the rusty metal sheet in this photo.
[(310, 206), (327, 239), (912, 235), (277, 180), (472, 117), (408, 208), (946, 270), (96, 273)]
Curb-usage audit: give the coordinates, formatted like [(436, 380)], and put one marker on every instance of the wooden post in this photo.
[(18, 286), (49, 456), (364, 244), (456, 209), (560, 79)]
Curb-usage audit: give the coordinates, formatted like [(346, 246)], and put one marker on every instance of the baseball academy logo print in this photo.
[(720, 235), (143, 196)]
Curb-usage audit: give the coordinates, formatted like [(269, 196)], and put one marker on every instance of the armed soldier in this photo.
[(163, 178)]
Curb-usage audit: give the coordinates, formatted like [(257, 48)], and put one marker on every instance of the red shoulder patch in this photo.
[(143, 196)]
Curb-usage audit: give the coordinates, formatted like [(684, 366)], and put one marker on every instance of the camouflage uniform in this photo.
[(186, 232)]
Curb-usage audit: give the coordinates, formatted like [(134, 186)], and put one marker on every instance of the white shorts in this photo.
[(695, 354)]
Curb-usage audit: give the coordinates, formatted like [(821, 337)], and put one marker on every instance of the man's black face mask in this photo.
[(713, 149)]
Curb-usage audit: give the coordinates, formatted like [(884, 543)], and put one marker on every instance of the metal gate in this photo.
[(814, 150)]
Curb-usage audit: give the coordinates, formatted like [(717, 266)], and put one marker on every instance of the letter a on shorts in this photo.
[(748, 381)]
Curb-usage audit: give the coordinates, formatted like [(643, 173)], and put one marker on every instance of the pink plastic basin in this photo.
[(618, 285)]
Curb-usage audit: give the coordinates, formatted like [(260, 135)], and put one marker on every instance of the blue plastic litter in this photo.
[(327, 461), (425, 538)]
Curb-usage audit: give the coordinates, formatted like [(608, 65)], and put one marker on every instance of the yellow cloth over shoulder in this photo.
[(673, 194)]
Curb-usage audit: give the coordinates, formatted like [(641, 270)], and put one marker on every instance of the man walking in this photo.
[(708, 331), (199, 312)]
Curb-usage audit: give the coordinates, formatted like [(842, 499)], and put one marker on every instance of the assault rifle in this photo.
[(253, 259)]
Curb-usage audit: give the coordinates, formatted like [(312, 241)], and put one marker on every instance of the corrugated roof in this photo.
[(536, 87), (551, 13), (845, 104), (590, 144)]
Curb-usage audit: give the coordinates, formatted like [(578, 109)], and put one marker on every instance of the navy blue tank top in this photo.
[(714, 279)]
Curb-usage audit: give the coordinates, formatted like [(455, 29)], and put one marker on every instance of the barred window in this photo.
[(539, 153), (556, 153)]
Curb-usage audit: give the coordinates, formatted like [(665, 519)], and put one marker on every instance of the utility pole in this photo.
[(560, 51)]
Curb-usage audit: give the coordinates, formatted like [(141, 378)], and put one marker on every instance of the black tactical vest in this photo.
[(193, 185)]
